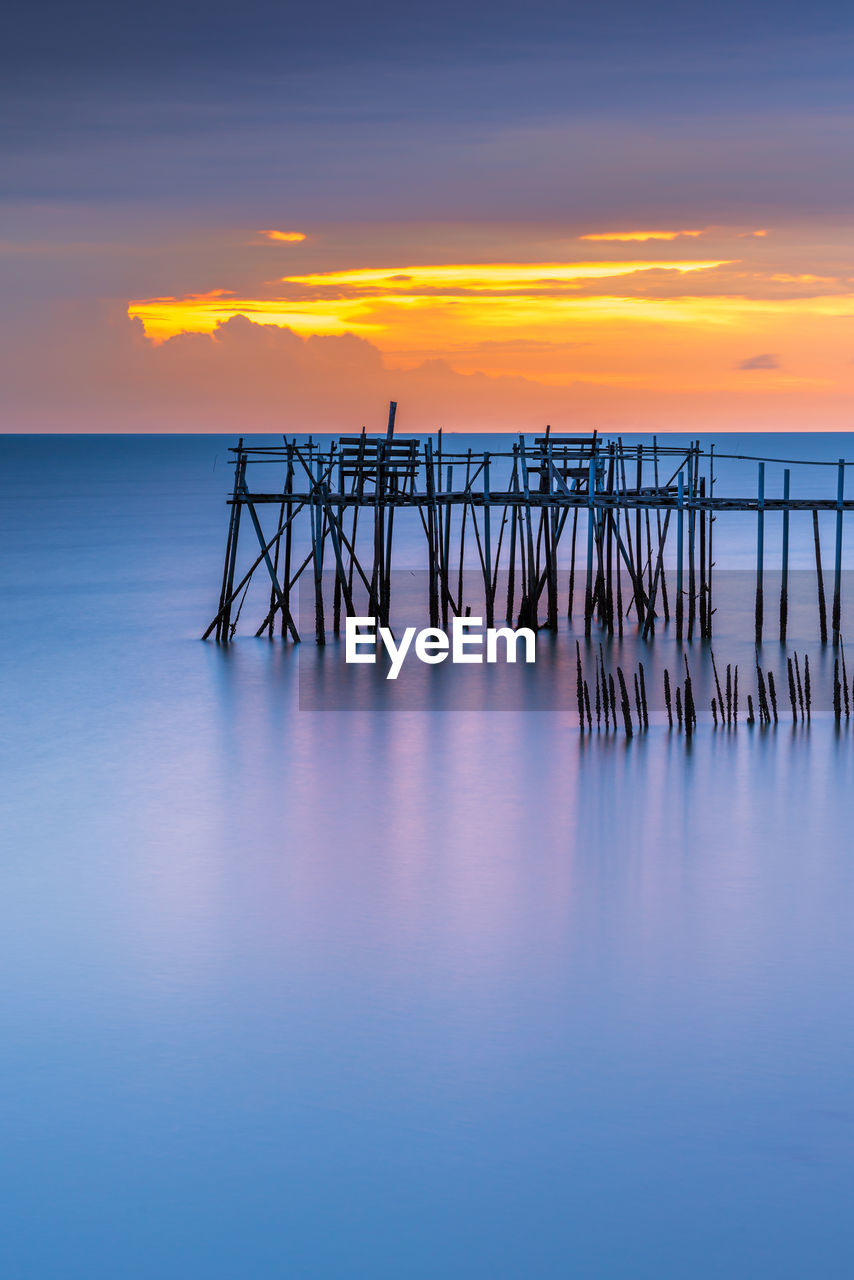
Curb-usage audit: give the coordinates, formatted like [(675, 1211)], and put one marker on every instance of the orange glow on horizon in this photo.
[(678, 326)]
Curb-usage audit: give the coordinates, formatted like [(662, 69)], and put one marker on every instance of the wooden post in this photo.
[(529, 602), (760, 550), (446, 545), (341, 577), (224, 632), (692, 531), (680, 521), (572, 564), (588, 595), (433, 586), (487, 545), (837, 566), (709, 608), (822, 604), (608, 525), (317, 515), (703, 628), (638, 553), (649, 624), (784, 583), (223, 591), (511, 569), (550, 520)]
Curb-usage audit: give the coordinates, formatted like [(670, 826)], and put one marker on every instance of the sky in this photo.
[(279, 217)]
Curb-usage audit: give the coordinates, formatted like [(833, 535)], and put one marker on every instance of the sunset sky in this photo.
[(263, 217)]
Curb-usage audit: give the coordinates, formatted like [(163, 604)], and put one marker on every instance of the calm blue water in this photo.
[(344, 994)]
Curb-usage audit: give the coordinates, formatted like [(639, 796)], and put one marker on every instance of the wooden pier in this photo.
[(561, 523)]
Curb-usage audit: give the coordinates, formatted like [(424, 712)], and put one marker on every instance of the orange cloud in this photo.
[(616, 236), (629, 322), (497, 277), (289, 237), (165, 318), (384, 302)]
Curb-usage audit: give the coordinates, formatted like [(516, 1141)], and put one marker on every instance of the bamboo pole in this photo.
[(680, 520), (822, 604), (760, 552), (784, 582), (837, 565)]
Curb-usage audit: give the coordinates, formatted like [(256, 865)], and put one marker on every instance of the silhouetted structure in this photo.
[(519, 506)]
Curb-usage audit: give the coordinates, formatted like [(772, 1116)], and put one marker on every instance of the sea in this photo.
[(301, 983)]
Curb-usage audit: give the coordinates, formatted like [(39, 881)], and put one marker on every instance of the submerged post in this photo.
[(760, 549), (227, 594), (819, 577)]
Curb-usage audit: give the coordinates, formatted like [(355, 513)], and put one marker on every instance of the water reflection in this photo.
[(337, 993)]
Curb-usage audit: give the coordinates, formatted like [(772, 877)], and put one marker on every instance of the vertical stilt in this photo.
[(224, 631), (837, 564), (433, 585), (588, 594), (317, 547), (487, 546), (692, 530), (784, 581), (819, 576), (709, 607), (572, 564), (703, 626), (760, 551), (680, 521)]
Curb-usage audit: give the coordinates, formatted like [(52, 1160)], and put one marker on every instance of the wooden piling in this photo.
[(784, 581), (710, 610), (624, 703), (800, 686), (837, 564), (680, 517), (772, 691), (807, 686), (822, 605), (566, 476), (227, 592), (760, 552), (703, 623), (792, 694), (692, 530), (588, 594), (644, 707)]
